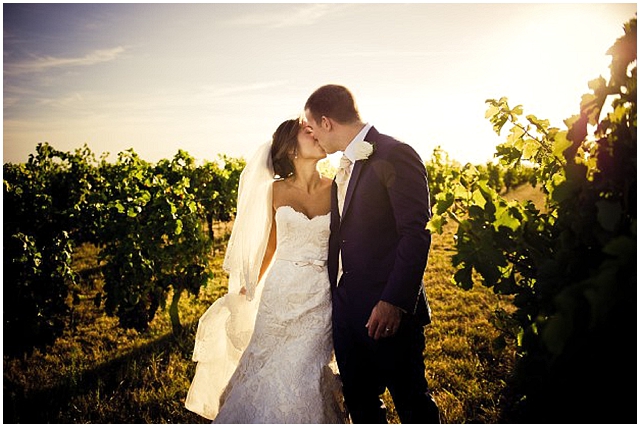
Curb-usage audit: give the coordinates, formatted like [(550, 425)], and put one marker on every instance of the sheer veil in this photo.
[(225, 329), (250, 234)]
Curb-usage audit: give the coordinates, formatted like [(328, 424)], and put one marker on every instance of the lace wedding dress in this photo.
[(287, 373)]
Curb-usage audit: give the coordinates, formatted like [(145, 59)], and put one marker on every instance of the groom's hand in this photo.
[(384, 320)]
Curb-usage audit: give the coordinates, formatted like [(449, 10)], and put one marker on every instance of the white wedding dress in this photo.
[(287, 372)]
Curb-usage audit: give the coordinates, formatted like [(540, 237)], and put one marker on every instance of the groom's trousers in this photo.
[(368, 367)]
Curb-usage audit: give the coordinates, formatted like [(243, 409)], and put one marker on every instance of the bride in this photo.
[(264, 350)]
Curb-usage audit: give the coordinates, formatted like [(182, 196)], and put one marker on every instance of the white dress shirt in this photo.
[(349, 152)]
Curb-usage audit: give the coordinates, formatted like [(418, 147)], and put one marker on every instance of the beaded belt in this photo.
[(317, 264)]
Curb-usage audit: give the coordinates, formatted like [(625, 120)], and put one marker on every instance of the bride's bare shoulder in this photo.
[(279, 189), (279, 185)]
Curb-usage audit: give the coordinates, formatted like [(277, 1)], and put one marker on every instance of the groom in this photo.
[(378, 252)]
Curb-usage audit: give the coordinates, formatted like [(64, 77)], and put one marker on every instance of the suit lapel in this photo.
[(372, 137)]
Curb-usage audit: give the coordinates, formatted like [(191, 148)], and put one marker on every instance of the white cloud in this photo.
[(63, 102), (308, 14), (397, 54), (42, 64), (210, 91)]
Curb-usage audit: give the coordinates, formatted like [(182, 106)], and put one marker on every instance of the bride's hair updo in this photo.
[(284, 142)]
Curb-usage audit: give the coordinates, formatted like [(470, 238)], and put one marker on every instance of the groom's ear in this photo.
[(326, 123)]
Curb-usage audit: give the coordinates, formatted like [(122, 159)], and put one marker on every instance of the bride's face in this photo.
[(308, 146), (322, 132)]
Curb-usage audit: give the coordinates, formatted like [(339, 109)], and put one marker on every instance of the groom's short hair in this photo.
[(333, 101)]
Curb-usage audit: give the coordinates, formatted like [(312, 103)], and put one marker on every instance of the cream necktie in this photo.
[(342, 180)]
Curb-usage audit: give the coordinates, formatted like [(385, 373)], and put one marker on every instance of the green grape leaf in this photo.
[(132, 212), (435, 224), (623, 247), (560, 144), (491, 111), (530, 149), (478, 198), (515, 136), (609, 214), (556, 332), (463, 278), (505, 218), (444, 202)]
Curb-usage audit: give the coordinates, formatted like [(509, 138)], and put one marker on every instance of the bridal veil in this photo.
[(225, 329)]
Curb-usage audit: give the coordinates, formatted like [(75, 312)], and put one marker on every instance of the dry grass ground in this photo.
[(98, 372)]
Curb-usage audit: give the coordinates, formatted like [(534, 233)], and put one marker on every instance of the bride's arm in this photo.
[(268, 254), (276, 194), (271, 249)]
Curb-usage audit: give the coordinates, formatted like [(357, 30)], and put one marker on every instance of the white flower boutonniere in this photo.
[(363, 150)]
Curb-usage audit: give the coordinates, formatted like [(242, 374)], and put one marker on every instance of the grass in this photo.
[(467, 374), (98, 372)]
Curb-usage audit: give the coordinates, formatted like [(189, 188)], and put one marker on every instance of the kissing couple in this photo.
[(326, 306)]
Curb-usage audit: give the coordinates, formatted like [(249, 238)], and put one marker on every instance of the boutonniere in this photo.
[(363, 150)]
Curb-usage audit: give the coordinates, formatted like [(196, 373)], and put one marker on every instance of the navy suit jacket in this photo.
[(382, 233)]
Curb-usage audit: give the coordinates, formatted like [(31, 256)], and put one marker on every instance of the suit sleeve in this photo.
[(409, 197)]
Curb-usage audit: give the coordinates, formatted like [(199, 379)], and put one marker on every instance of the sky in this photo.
[(219, 78)]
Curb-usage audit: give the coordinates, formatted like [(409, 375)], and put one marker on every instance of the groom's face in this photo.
[(320, 132)]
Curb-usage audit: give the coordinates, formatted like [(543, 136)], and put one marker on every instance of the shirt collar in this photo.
[(349, 151)]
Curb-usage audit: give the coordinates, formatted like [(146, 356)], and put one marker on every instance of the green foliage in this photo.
[(37, 279), (503, 178), (452, 184), (216, 189), (153, 239), (39, 215), (442, 173), (99, 372), (571, 267), (147, 220)]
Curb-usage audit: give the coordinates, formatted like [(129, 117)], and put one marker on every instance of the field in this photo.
[(98, 372)]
